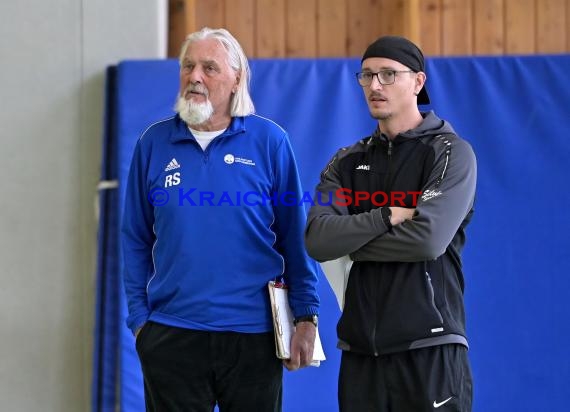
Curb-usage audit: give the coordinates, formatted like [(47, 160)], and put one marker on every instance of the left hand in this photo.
[(302, 345)]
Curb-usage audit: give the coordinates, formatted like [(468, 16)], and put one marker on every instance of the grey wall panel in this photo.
[(53, 55)]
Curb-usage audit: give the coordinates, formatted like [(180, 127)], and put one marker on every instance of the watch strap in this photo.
[(314, 319)]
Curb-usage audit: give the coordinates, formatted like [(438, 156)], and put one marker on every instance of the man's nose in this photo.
[(195, 75), (375, 84)]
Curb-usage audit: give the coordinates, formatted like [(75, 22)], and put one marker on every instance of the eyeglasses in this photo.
[(385, 77)]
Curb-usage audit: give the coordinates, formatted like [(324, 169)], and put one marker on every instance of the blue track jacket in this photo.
[(204, 231)]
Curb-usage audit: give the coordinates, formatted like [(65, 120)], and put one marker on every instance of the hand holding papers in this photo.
[(283, 325)]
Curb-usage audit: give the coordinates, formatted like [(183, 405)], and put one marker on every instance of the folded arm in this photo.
[(446, 200), (331, 231)]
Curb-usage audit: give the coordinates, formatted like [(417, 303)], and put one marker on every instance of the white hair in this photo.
[(241, 104)]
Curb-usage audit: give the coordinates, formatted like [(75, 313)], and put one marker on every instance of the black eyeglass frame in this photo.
[(359, 77)]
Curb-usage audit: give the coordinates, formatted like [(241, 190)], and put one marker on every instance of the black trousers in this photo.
[(191, 371), (434, 379)]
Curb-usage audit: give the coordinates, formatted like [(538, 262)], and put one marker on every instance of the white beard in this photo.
[(193, 113)]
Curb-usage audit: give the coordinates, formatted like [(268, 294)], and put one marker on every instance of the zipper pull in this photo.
[(389, 148)]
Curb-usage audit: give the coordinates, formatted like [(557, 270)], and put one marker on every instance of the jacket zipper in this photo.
[(375, 322), (206, 153), (386, 180), (389, 171)]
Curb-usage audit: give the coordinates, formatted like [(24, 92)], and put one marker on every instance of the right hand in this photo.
[(401, 214), (302, 346)]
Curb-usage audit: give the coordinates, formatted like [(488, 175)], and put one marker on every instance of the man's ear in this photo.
[(235, 88), (420, 81)]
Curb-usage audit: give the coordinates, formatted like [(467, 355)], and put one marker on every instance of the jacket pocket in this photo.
[(431, 296), (142, 333)]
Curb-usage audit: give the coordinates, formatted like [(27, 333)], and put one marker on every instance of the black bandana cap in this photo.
[(403, 51)]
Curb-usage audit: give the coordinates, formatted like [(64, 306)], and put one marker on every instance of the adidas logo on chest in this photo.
[(172, 165)]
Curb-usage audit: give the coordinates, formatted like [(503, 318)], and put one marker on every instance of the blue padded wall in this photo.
[(513, 110)]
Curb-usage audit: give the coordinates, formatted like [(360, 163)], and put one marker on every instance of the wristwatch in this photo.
[(314, 319)]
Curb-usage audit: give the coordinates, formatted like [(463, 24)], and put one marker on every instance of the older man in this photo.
[(203, 234)]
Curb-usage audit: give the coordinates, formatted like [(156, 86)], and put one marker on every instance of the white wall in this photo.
[(53, 55)]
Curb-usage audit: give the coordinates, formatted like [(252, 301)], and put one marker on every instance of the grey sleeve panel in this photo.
[(331, 231), (446, 200)]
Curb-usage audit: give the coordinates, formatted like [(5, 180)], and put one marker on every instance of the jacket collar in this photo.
[(181, 131)]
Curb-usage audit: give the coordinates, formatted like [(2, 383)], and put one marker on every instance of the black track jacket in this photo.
[(406, 284)]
